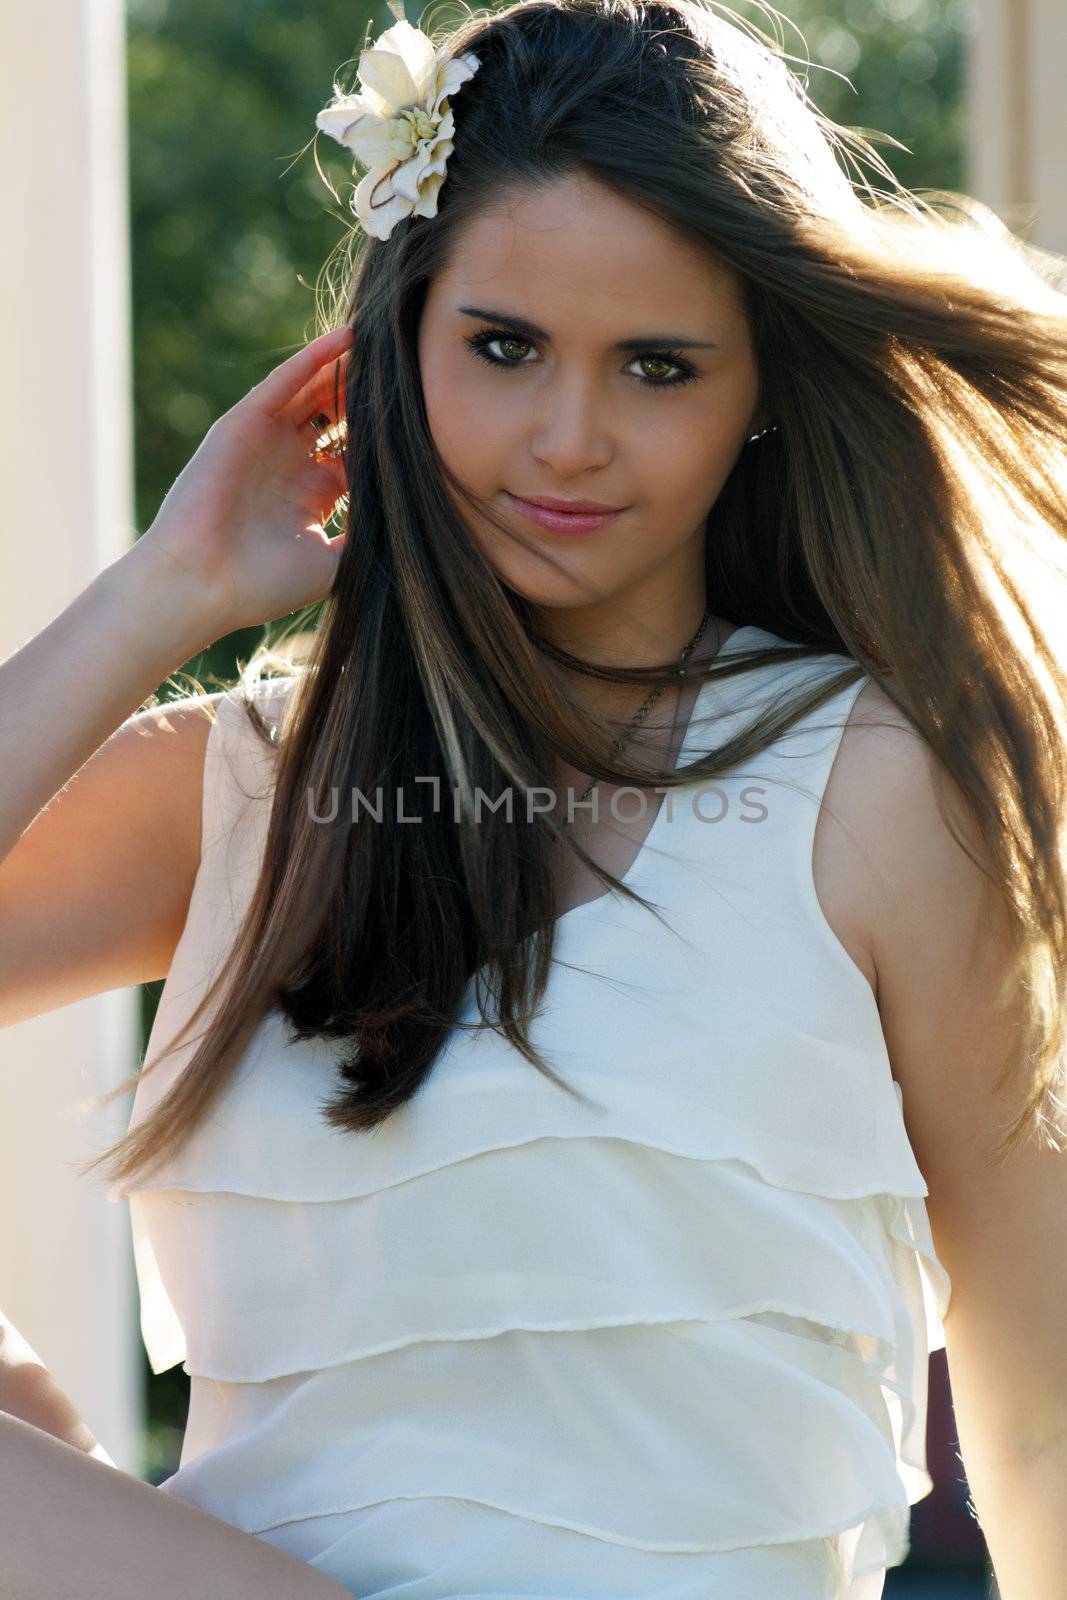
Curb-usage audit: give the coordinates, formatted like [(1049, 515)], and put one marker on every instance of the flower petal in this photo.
[(407, 177), (344, 113), (416, 50), (451, 73), (362, 131), (446, 127), (426, 205), (440, 151), (386, 81), (401, 68), (376, 205)]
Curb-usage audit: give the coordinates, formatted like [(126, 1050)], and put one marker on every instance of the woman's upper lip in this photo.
[(553, 503)]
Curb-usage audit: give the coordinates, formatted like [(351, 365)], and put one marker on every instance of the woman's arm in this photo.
[(28, 1390), (938, 933), (235, 543), (100, 808), (72, 1528), (71, 686)]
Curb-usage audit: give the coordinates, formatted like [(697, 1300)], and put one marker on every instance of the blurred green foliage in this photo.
[(231, 224), (894, 66)]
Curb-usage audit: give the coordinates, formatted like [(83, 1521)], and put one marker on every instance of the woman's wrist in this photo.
[(172, 609)]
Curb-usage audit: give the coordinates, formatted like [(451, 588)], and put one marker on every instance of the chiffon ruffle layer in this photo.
[(732, 1317)]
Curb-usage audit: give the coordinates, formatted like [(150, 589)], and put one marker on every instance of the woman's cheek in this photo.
[(690, 467)]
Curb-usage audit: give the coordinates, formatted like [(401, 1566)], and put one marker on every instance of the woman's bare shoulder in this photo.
[(94, 894), (887, 829)]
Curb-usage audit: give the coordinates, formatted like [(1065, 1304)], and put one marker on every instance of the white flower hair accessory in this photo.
[(400, 127)]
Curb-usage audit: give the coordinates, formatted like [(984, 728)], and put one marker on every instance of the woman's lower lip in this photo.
[(564, 521)]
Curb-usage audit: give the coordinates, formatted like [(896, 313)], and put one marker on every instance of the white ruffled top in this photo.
[(671, 1342)]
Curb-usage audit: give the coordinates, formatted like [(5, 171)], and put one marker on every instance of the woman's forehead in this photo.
[(574, 251)]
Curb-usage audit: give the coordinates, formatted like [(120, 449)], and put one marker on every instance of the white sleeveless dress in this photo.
[(667, 1345)]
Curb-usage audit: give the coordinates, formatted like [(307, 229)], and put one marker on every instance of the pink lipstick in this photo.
[(566, 516)]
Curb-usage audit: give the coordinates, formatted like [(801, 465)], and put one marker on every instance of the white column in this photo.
[(1048, 121), (65, 465), (1017, 115)]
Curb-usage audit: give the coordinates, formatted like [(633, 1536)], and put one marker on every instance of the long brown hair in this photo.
[(906, 514)]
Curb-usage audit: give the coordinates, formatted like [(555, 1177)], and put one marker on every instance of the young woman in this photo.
[(602, 969)]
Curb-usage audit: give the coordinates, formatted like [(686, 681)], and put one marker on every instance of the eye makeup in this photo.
[(479, 342)]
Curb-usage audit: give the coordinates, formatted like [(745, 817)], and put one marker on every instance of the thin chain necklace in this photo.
[(620, 742)]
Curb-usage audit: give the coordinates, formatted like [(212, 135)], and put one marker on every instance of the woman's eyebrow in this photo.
[(654, 341)]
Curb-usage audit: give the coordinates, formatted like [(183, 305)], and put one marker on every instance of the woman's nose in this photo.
[(572, 432)]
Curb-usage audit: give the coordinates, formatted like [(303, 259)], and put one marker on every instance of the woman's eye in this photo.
[(512, 345), (508, 346), (656, 361), (507, 343)]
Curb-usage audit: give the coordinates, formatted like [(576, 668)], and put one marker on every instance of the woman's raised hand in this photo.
[(242, 528)]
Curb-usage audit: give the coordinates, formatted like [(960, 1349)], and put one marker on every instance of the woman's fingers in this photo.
[(278, 389), (324, 392)]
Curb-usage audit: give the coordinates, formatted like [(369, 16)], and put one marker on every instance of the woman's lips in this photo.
[(564, 521)]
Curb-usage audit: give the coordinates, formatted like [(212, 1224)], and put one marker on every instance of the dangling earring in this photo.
[(754, 436)]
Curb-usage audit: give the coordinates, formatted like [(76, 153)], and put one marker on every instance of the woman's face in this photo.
[(612, 362)]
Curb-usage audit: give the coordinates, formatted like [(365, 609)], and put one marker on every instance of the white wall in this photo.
[(65, 466), (1017, 110)]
